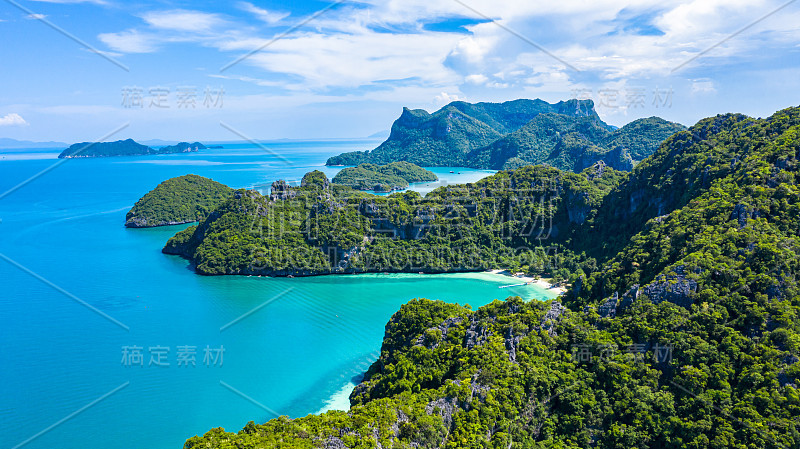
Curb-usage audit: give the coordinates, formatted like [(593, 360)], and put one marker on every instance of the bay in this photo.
[(80, 293)]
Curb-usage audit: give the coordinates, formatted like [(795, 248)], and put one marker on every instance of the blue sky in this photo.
[(169, 68)]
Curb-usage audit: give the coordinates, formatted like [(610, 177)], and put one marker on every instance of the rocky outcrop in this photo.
[(445, 408), (677, 289), (333, 443), (142, 222), (315, 179), (476, 335), (619, 159), (578, 206), (281, 191), (608, 308), (443, 328), (552, 317), (742, 212)]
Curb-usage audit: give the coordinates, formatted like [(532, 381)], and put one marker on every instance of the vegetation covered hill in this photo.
[(641, 137), (101, 149), (535, 374), (567, 135), (680, 329), (505, 220), (183, 199), (182, 147), (127, 147), (567, 143), (383, 178), (447, 136)]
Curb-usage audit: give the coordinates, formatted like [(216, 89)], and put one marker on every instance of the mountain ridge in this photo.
[(473, 135)]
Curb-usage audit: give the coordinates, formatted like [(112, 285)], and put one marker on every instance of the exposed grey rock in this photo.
[(628, 297), (578, 286), (443, 327), (597, 171), (477, 390), (444, 407), (784, 380), (608, 309), (361, 389), (578, 207), (333, 443), (281, 191), (476, 335), (511, 342), (742, 212), (676, 289), (551, 318), (619, 158)]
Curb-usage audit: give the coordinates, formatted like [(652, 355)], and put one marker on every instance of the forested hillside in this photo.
[(681, 327), (183, 199)]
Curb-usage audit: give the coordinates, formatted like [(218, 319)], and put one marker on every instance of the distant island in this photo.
[(127, 147), (6, 143), (383, 178), (184, 199), (568, 135)]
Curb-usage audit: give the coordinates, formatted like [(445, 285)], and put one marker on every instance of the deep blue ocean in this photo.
[(106, 342)]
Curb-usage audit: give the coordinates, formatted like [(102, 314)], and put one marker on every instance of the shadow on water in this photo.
[(331, 383)]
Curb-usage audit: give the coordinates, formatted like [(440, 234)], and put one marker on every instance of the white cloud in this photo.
[(129, 41), (262, 14), (703, 86), (36, 16), (183, 20), (473, 50), (445, 98), (386, 44), (354, 60), (476, 79), (12, 119)]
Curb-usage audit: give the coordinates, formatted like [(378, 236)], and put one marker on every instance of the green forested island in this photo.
[(127, 147), (383, 178), (568, 135), (179, 200), (514, 219), (680, 329), (182, 147)]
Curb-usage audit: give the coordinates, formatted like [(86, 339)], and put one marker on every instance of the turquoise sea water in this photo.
[(77, 287)]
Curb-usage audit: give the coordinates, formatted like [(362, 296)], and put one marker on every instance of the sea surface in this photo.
[(106, 342)]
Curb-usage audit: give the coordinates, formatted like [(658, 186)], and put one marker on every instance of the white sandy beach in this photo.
[(543, 283)]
